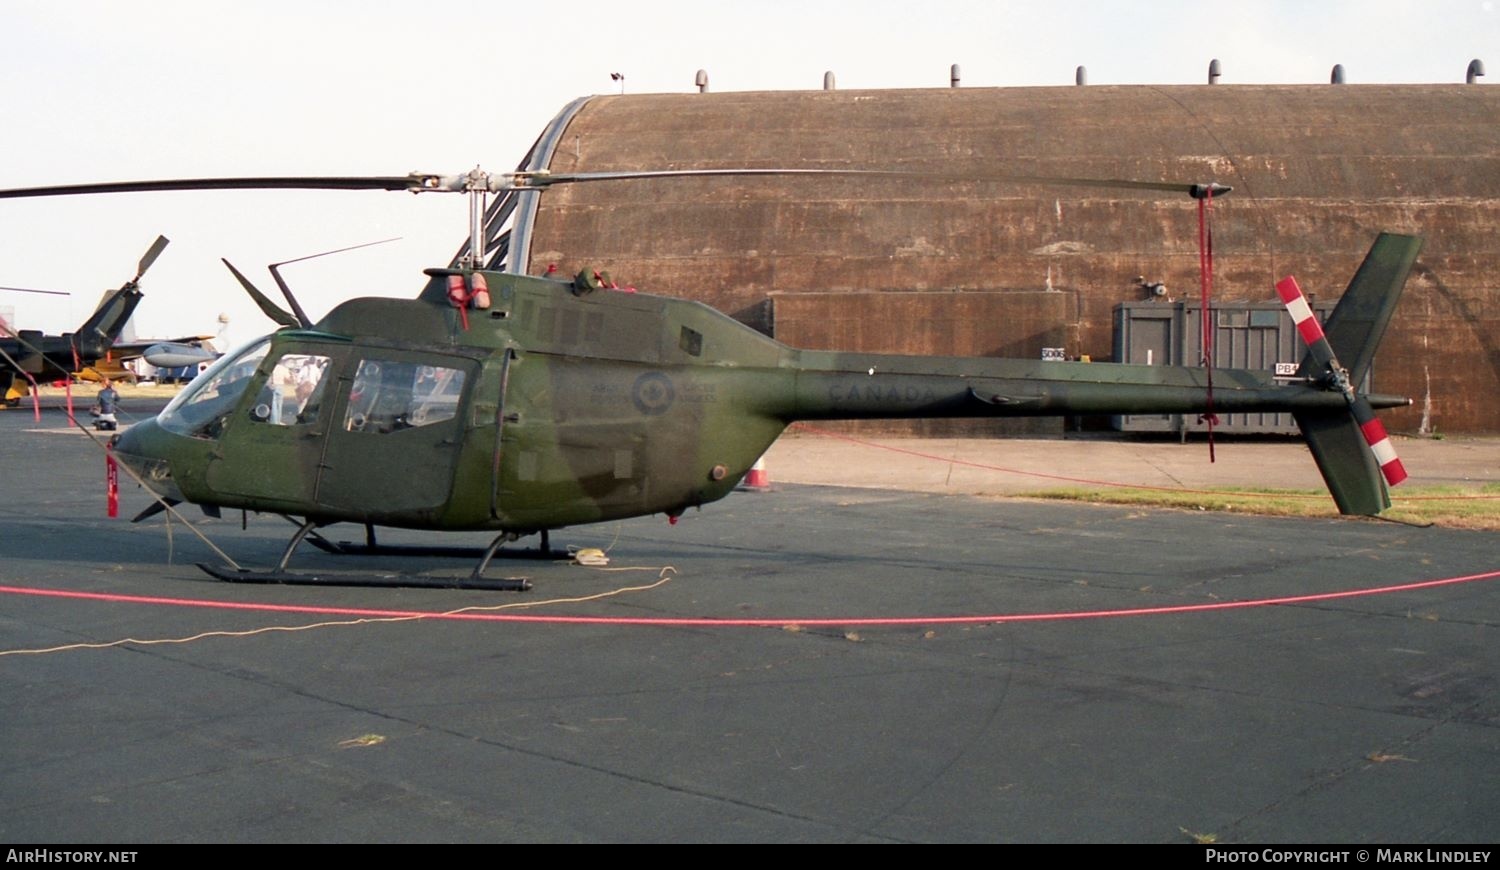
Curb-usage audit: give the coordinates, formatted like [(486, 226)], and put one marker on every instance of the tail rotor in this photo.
[(1353, 450)]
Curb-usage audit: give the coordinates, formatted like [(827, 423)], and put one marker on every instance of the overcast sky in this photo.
[(98, 91)]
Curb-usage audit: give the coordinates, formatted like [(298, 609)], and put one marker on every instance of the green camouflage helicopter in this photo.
[(519, 404)]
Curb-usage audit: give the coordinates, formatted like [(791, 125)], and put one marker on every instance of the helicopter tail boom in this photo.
[(1346, 439), (871, 386)]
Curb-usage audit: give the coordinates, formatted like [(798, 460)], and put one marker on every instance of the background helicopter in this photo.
[(517, 404), (97, 349), (28, 354)]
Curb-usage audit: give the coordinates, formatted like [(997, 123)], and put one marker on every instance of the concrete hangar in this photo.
[(977, 268)]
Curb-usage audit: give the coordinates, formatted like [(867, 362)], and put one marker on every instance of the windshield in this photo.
[(201, 409)]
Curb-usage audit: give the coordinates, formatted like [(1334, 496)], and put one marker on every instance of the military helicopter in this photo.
[(27, 353), (519, 404)]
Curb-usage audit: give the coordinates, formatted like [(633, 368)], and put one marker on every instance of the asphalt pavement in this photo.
[(821, 664)]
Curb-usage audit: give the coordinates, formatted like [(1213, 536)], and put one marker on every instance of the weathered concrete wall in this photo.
[(1317, 171)]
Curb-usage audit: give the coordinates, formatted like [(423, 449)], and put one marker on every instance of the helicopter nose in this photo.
[(141, 448)]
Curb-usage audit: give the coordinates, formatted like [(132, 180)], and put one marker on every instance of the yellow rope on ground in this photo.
[(664, 574)]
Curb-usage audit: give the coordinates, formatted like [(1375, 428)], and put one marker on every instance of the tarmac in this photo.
[(911, 663), (830, 457)]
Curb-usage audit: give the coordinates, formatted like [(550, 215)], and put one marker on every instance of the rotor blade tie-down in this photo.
[(1206, 280)]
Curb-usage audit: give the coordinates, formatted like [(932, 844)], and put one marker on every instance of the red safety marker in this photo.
[(112, 481), (757, 478), (36, 398)]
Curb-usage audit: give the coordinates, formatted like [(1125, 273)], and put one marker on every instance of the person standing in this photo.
[(105, 405)]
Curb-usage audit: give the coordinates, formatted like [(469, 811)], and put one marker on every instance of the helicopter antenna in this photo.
[(287, 291), (269, 308)]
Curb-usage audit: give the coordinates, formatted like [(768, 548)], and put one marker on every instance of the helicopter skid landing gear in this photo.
[(280, 575), (372, 547)]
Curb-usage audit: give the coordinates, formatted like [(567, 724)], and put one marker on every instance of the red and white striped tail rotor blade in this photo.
[(1307, 323), (1380, 443)]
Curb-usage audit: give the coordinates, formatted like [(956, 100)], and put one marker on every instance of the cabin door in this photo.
[(271, 443), (394, 441)]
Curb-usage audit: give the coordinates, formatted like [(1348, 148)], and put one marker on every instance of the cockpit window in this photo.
[(389, 396), (201, 409), (293, 393)]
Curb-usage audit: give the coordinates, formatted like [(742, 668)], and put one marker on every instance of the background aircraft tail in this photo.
[(99, 332), (102, 329)]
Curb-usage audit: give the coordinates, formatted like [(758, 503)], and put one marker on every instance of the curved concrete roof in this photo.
[(1317, 172)]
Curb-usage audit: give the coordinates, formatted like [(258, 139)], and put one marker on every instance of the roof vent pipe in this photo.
[(1080, 76), (953, 76), (1214, 71), (701, 80), (1337, 76), (1476, 69), (828, 83)]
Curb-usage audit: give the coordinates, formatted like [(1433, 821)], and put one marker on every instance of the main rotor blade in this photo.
[(418, 182), (543, 178), (394, 182), (28, 290), (155, 251)]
